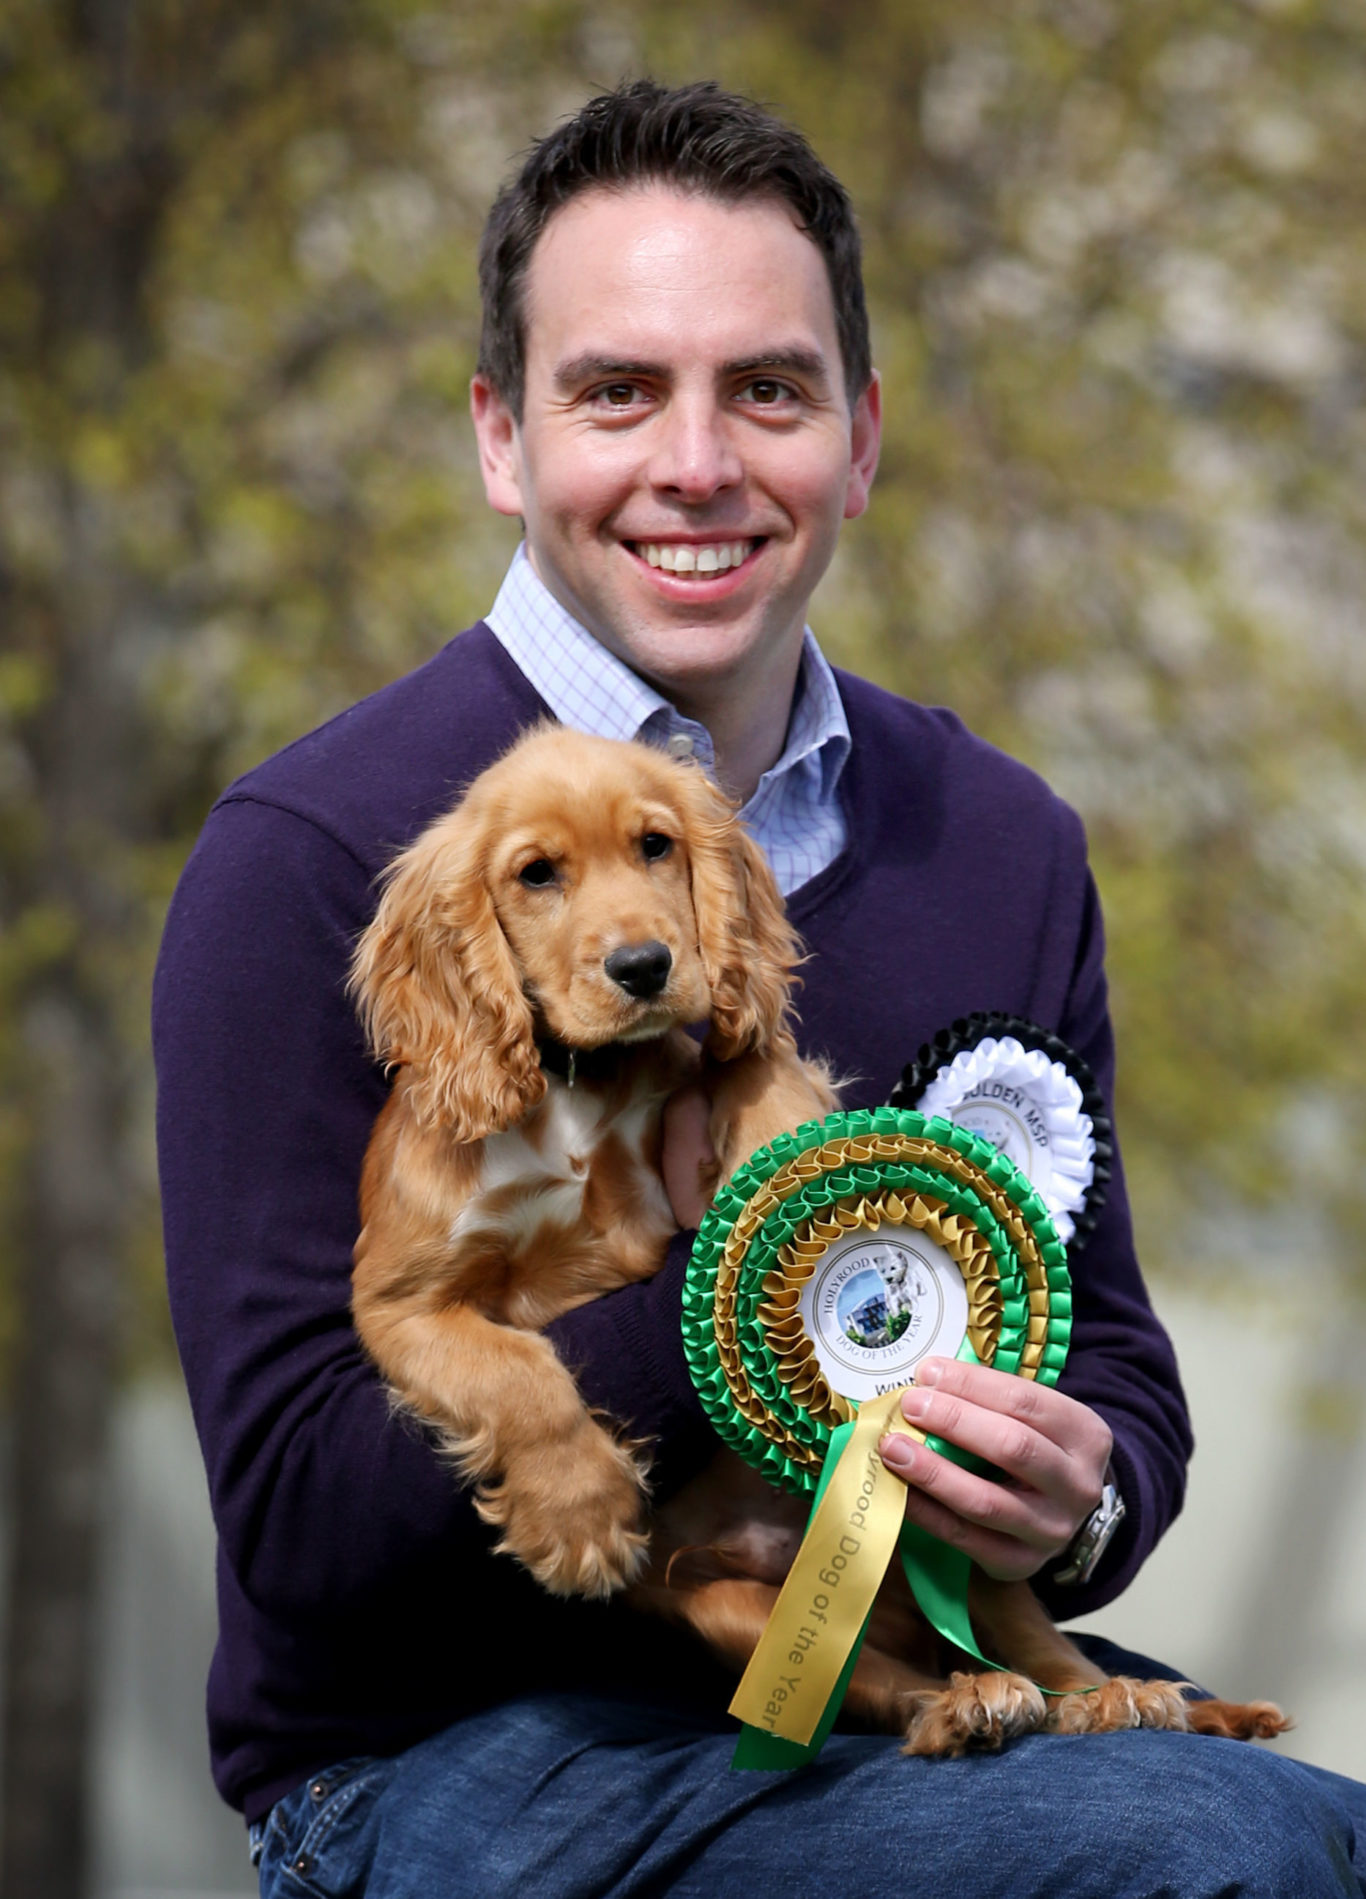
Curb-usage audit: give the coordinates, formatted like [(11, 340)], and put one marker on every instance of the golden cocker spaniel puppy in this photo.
[(529, 974)]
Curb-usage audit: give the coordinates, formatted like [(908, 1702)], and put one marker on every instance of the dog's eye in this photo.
[(537, 874), (655, 844)]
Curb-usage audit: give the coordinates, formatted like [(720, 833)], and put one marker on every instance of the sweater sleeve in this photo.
[(1121, 1361), (266, 1099)]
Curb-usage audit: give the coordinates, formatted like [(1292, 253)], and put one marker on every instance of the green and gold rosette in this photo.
[(826, 1269)]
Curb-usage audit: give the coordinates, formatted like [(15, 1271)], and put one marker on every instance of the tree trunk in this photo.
[(73, 885), (62, 1403)]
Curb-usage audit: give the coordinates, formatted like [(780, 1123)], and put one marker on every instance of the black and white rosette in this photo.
[(1035, 1099)]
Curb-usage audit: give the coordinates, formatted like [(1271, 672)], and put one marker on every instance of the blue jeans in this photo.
[(562, 1797)]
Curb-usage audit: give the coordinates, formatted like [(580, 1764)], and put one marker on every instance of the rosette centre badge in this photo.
[(876, 1306), (1005, 1116)]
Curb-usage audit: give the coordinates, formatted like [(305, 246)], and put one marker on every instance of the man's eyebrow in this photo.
[(797, 362), (591, 367)]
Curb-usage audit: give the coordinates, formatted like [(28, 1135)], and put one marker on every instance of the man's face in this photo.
[(686, 451)]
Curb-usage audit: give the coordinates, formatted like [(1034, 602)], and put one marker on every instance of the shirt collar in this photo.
[(591, 690)]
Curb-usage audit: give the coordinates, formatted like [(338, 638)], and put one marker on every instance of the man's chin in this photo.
[(692, 657)]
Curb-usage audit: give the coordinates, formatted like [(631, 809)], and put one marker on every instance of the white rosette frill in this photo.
[(1031, 1109), (1031, 1095)]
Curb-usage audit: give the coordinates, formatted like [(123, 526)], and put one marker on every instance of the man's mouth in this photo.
[(694, 557)]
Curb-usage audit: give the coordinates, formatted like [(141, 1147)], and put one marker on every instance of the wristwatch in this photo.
[(1092, 1540)]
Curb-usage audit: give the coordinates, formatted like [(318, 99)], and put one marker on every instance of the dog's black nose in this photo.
[(641, 969)]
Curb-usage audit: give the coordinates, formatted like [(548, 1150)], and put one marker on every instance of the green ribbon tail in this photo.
[(937, 1574), (938, 1577), (756, 1748)]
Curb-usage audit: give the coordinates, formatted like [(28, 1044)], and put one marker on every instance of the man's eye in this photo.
[(766, 391), (656, 845), (618, 395), (537, 874)]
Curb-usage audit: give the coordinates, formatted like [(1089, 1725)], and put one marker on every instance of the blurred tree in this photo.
[(151, 505), (1116, 262)]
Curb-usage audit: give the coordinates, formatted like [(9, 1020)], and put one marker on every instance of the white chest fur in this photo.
[(538, 1171)]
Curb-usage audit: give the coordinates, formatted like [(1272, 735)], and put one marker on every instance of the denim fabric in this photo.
[(560, 1797)]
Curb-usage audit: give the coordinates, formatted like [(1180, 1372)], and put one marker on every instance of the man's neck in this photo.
[(748, 724)]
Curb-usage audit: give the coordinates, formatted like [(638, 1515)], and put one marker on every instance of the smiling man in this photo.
[(675, 394), (684, 448)]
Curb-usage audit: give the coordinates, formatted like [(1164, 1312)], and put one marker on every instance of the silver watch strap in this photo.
[(1092, 1540)]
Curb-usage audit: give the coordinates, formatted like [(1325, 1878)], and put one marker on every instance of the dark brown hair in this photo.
[(698, 138)]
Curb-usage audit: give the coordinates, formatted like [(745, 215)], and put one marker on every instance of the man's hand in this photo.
[(688, 1157), (1052, 1450)]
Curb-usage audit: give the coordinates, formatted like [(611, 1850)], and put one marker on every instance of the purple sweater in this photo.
[(360, 1607)]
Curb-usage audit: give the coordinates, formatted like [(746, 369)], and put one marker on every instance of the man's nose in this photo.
[(694, 454)]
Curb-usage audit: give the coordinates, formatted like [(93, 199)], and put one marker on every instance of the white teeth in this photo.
[(680, 558)]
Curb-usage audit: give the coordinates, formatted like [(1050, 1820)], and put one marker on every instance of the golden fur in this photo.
[(496, 1196)]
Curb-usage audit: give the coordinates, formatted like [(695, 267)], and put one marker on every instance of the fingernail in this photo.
[(897, 1452), (930, 1372), (913, 1406)]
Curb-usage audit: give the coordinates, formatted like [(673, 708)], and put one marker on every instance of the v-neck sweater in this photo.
[(360, 1605)]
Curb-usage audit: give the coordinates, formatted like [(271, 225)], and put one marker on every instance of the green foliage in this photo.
[(1116, 265)]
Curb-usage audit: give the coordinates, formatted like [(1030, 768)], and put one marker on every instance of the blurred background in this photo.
[(1117, 266)]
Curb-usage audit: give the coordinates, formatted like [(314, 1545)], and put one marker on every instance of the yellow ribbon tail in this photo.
[(830, 1588)]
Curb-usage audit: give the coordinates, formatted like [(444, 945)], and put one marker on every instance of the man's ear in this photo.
[(865, 444), (500, 447)]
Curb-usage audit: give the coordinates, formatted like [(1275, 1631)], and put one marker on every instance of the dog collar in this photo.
[(573, 1064)]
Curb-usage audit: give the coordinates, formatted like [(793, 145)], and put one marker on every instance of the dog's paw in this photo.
[(1238, 1720), (974, 1711), (571, 1515), (1122, 1702)]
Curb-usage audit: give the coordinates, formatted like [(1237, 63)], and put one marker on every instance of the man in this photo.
[(675, 394)]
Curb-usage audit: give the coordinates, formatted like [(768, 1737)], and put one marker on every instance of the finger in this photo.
[(687, 1151), (1008, 1442), (1074, 1427), (1004, 1557), (1030, 1517)]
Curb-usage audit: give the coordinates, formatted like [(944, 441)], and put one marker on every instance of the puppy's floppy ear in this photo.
[(438, 990), (748, 947)]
